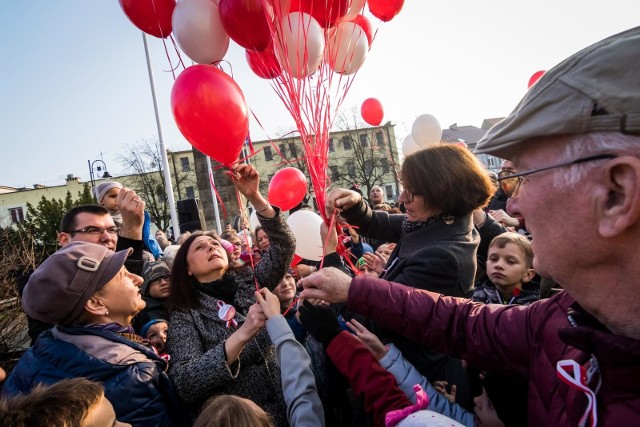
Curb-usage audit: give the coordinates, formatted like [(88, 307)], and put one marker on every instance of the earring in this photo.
[(106, 312)]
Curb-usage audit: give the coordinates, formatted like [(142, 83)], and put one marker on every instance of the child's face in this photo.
[(110, 200), (506, 267), (384, 249), (159, 288), (367, 272), (486, 415), (157, 335), (286, 289)]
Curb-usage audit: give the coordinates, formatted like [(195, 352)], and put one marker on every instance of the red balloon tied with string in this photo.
[(151, 16), (287, 188), (372, 112), (265, 63), (247, 22), (385, 10), (363, 22), (535, 77), (326, 12), (211, 112)]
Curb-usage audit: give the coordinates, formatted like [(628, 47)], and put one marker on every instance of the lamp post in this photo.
[(99, 166)]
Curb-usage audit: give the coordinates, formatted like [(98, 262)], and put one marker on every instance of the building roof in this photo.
[(470, 135)]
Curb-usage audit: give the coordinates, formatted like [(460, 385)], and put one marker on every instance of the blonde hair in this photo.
[(232, 411)]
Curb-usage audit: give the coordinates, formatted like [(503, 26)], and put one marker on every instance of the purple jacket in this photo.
[(518, 341)]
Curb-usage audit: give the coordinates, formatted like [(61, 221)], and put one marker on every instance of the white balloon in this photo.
[(354, 9), (347, 48), (305, 226), (409, 146), (199, 31), (426, 130), (299, 44)]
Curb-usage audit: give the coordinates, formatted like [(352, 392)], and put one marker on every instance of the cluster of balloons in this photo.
[(426, 131)]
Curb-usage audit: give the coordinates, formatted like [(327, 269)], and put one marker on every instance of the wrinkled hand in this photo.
[(341, 199), (375, 261), (372, 342), (320, 321), (269, 302), (254, 321), (441, 387), (131, 206), (328, 284), (503, 218), (331, 241)]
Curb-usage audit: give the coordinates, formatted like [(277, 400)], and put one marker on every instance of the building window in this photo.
[(335, 174), (346, 142), (364, 141), (331, 148), (380, 138), (293, 149), (384, 163), (368, 167), (351, 169), (184, 162), (17, 215), (270, 177), (268, 155), (191, 193), (389, 190), (283, 150)]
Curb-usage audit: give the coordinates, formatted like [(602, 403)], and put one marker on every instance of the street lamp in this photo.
[(98, 168)]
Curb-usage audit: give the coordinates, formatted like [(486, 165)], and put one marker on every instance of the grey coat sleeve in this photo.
[(298, 382), (407, 376), (194, 371), (277, 259)]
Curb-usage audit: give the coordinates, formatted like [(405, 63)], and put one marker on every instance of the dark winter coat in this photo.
[(196, 337)]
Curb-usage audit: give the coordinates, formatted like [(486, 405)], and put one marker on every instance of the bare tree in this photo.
[(366, 158), (144, 162)]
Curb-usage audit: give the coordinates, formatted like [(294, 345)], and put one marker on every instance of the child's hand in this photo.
[(375, 261), (269, 302), (332, 240), (441, 387), (373, 344)]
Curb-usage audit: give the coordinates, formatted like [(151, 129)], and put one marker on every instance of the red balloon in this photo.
[(151, 16), (210, 111), (371, 111), (264, 64), (363, 22), (287, 188), (535, 77), (247, 22), (296, 260), (326, 12), (385, 10)]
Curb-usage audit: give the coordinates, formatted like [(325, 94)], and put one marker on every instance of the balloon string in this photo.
[(326, 239), (243, 215), (215, 190)]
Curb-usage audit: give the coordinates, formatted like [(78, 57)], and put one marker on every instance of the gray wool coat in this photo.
[(196, 337)]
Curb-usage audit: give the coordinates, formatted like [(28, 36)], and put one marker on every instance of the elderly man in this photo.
[(94, 224), (575, 140)]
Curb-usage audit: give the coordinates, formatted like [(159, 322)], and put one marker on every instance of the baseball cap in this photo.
[(58, 289), (596, 89)]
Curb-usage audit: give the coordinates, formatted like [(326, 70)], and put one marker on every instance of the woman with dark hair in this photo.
[(436, 240), (217, 340)]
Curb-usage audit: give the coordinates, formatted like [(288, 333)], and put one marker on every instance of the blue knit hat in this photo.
[(150, 323)]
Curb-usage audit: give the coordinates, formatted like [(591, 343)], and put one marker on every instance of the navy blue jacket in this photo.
[(132, 374)]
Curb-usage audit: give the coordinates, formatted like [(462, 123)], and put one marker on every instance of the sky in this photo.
[(74, 84)]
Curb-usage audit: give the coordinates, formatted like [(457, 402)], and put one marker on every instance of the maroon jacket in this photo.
[(520, 341), (366, 377)]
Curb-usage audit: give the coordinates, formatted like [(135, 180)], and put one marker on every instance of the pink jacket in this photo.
[(522, 341)]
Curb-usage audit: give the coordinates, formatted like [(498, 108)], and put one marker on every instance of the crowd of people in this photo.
[(434, 310)]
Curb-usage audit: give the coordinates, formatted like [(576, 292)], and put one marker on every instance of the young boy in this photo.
[(286, 293), (155, 291), (156, 332), (510, 270), (107, 196)]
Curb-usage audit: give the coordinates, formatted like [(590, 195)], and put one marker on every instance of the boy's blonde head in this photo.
[(518, 240)]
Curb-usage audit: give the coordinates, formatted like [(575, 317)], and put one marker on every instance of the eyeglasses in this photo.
[(96, 231), (506, 175), (236, 244)]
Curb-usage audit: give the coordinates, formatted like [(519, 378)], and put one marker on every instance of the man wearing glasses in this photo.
[(575, 142), (507, 185), (94, 224)]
